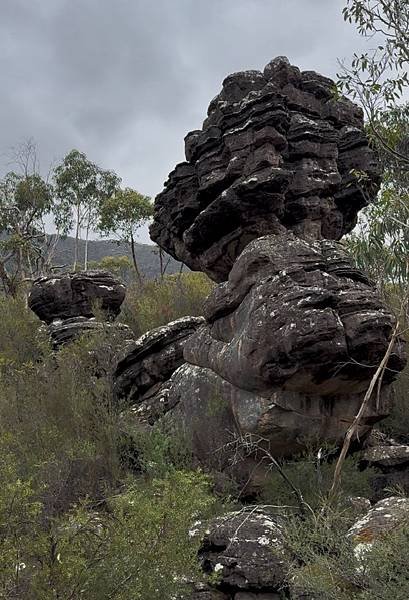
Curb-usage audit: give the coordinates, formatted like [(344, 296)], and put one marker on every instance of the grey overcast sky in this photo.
[(124, 80)]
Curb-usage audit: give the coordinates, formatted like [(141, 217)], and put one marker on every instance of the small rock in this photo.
[(386, 515)]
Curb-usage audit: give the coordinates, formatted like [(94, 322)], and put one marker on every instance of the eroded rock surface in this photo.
[(68, 303), (387, 514), (276, 152), (290, 344), (148, 363), (81, 294), (245, 553), (294, 333), (67, 330)]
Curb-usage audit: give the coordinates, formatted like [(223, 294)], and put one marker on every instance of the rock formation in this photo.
[(68, 303), (390, 460), (245, 553), (277, 152), (294, 333), (147, 364), (383, 517)]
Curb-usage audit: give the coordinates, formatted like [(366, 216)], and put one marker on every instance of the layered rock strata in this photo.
[(145, 366), (278, 151), (293, 335), (69, 303)]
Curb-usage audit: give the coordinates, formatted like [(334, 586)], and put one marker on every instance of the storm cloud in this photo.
[(124, 80)]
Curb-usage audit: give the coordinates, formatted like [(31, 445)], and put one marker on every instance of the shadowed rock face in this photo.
[(277, 152), (146, 365), (76, 295)]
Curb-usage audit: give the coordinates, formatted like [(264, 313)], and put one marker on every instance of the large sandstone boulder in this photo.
[(289, 347), (71, 295), (294, 333), (277, 151)]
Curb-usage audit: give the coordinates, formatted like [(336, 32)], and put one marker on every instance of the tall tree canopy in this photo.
[(81, 187), (25, 200), (122, 214)]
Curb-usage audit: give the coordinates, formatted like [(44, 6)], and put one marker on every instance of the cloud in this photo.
[(124, 80)]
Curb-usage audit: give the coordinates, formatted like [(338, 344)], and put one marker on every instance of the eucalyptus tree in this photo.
[(377, 78), (81, 187), (121, 215), (26, 198)]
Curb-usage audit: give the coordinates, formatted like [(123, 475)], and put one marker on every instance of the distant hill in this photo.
[(147, 255)]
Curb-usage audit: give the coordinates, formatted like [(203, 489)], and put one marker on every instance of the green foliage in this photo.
[(327, 568), (161, 449), (380, 244), (81, 187), (314, 478), (123, 213), (25, 199), (137, 547), (74, 521), (120, 266), (378, 77), (161, 301), (22, 340)]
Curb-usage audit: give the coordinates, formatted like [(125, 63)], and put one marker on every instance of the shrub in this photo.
[(314, 479), (22, 340), (160, 301), (327, 567)]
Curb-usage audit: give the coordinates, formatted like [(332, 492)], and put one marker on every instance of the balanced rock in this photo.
[(278, 151), (148, 363), (81, 294)]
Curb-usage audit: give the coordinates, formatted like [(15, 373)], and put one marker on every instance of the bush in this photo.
[(160, 301), (137, 547), (327, 567), (74, 522), (22, 340), (314, 479)]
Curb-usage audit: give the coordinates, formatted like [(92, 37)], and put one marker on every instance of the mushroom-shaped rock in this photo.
[(245, 550), (71, 295), (278, 151), (147, 364)]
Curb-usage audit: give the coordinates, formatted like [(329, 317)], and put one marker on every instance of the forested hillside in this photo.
[(147, 255)]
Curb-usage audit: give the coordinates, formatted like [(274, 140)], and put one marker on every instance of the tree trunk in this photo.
[(86, 247), (135, 262), (9, 285), (77, 235)]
